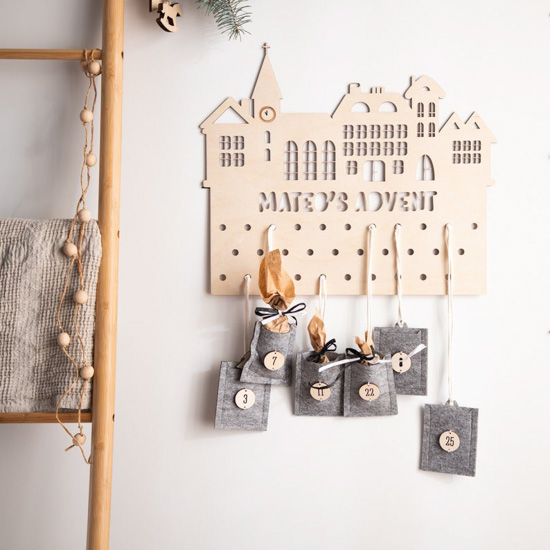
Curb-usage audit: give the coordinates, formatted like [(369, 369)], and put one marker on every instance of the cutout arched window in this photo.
[(291, 160), (267, 137), (431, 129), (431, 109), (329, 161), (387, 107), (267, 154), (420, 110), (374, 170), (310, 160), (360, 107), (420, 129), (425, 169)]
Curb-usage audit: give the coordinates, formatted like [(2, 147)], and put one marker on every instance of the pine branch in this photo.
[(230, 15)]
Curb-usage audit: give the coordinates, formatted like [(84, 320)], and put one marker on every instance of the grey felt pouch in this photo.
[(369, 390), (240, 406), (318, 400), (265, 346), (449, 441), (396, 341)]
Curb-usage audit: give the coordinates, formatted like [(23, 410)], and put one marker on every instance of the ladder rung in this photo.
[(43, 418), (46, 54)]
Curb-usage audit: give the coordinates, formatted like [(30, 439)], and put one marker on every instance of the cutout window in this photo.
[(225, 142), (401, 131), (388, 148), (329, 161), (267, 155), (420, 110), (477, 145), (387, 107), (466, 145), (348, 131), (375, 148), (362, 149), (351, 167), (238, 142), (225, 159), (361, 131), (310, 161), (360, 107), (238, 159), (348, 148), (457, 145), (374, 170), (456, 158), (398, 167), (431, 109), (402, 148), (477, 158), (388, 131), (375, 131), (291, 161), (267, 137), (420, 129), (466, 158), (425, 169), (431, 129)]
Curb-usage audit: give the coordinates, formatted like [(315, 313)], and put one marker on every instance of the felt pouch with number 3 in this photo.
[(272, 345)]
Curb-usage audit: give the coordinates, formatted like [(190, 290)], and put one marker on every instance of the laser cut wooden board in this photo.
[(381, 158)]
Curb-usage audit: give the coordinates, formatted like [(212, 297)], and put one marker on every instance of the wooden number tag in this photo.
[(369, 391), (400, 362), (319, 391), (245, 398), (449, 441), (274, 360)]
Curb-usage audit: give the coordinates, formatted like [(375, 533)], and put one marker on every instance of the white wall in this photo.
[(307, 482)]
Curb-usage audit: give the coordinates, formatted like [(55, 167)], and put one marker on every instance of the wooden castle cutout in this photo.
[(380, 158)]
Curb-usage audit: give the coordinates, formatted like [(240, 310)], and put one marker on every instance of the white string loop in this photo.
[(397, 241), (322, 295), (272, 228), (370, 239), (450, 312), (247, 278)]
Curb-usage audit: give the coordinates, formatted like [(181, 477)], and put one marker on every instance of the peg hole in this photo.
[(309, 252), (461, 251), (474, 226), (235, 252), (385, 251), (260, 252), (284, 252), (435, 251), (247, 227), (297, 227), (423, 277), (222, 277), (360, 251), (347, 227), (298, 277), (347, 277), (373, 277), (322, 227), (410, 252), (423, 226), (335, 252), (223, 227)]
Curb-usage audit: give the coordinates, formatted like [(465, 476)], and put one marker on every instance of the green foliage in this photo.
[(231, 15)]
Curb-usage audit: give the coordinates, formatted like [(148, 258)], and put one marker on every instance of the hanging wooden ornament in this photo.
[(449, 443), (380, 157), (240, 405), (168, 13), (406, 347), (318, 393), (272, 345)]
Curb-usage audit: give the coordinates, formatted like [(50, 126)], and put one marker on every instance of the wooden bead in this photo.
[(86, 372), (70, 250), (80, 297), (86, 116), (63, 339), (79, 439), (94, 68), (91, 159), (84, 215)]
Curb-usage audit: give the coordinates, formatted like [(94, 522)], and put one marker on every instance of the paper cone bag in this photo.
[(317, 334)]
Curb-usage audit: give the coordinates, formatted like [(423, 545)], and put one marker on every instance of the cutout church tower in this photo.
[(380, 158)]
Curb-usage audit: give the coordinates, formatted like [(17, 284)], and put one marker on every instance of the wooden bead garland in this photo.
[(73, 251)]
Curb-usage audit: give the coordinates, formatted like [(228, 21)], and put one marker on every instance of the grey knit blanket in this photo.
[(34, 371)]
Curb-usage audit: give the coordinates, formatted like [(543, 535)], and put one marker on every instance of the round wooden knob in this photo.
[(70, 250), (80, 297), (87, 372), (79, 439), (94, 68), (84, 215), (91, 159), (86, 116), (63, 339)]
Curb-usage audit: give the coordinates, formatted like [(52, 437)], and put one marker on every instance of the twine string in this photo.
[(397, 241), (247, 278), (370, 239), (450, 311)]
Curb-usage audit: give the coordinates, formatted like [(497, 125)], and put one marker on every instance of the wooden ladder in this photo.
[(102, 415)]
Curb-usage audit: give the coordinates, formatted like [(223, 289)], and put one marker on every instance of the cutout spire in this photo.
[(266, 91)]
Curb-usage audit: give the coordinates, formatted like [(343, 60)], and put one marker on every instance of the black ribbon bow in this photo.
[(352, 352), (316, 356), (266, 312)]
